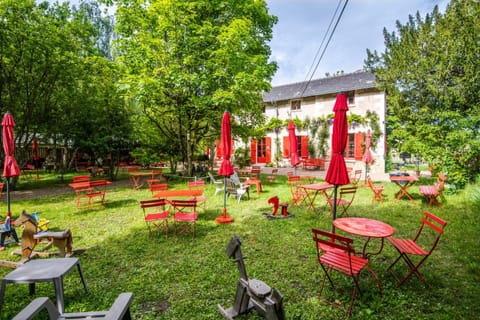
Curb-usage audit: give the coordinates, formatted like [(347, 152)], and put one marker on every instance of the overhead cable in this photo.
[(310, 72)]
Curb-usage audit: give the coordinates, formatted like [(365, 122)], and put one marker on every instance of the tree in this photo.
[(430, 70), (57, 79), (187, 61)]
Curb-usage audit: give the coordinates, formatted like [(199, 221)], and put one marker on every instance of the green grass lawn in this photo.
[(185, 279)]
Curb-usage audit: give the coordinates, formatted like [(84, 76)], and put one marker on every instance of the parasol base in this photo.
[(224, 219)]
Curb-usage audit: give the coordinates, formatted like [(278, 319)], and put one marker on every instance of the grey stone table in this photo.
[(44, 270)]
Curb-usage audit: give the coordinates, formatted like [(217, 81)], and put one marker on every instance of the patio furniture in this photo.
[(312, 190), (83, 178), (299, 195), (434, 192), (256, 182), (236, 191), (155, 187), (367, 228), (155, 214), (44, 270), (218, 183), (355, 177), (156, 177), (185, 216), (377, 191), (422, 246), (313, 163), (255, 172), (341, 259), (120, 310), (175, 193), (272, 176), (136, 177), (91, 189), (344, 199), (198, 185), (403, 182)]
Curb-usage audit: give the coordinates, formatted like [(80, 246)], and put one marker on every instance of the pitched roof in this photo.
[(347, 82)]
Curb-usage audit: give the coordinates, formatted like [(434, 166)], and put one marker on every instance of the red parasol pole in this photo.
[(10, 168), (292, 138), (35, 155), (337, 170), (226, 168), (367, 156)]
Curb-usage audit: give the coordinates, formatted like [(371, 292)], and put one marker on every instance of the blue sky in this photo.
[(302, 25)]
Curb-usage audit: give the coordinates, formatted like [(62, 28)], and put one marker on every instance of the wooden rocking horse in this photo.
[(276, 205), (31, 236), (252, 293)]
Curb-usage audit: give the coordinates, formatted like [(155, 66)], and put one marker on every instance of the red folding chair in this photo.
[(416, 251), (185, 216), (336, 253), (434, 192), (155, 187), (377, 191), (155, 214), (344, 200), (200, 185), (299, 195)]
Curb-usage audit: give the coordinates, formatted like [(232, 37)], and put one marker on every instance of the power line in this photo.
[(326, 45)]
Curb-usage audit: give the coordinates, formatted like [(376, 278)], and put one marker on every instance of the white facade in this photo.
[(318, 102)]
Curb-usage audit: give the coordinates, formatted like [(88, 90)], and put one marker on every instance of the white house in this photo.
[(312, 103)]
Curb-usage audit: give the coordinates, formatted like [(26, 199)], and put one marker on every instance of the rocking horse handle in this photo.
[(238, 260)]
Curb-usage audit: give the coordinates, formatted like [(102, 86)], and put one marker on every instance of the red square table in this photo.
[(404, 183), (314, 189)]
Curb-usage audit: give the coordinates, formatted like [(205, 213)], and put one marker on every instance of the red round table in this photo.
[(365, 227)]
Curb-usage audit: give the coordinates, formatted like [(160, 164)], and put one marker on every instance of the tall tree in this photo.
[(431, 71), (187, 61), (56, 76)]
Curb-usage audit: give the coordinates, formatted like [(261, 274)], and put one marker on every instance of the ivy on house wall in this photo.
[(319, 130)]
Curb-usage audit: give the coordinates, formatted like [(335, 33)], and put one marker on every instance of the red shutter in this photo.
[(218, 147), (253, 151), (304, 151), (286, 147), (268, 155), (358, 152)]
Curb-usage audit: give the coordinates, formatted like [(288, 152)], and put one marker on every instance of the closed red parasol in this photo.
[(35, 155), (10, 168), (337, 170), (294, 158), (367, 156), (226, 168)]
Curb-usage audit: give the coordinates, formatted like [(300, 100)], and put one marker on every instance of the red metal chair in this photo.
[(356, 176), (434, 192), (272, 176), (377, 191), (200, 184), (344, 200), (156, 177), (155, 214), (185, 216), (299, 195), (425, 241), (336, 253), (155, 187)]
